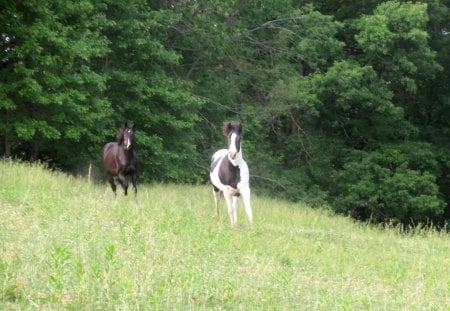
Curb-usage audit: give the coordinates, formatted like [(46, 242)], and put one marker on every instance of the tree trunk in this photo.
[(34, 152), (7, 147), (7, 142)]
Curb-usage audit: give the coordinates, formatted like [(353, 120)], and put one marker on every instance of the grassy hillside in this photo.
[(68, 244)]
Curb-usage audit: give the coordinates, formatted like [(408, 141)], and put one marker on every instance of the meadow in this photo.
[(68, 244)]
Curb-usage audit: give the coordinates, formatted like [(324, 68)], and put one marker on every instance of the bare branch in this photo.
[(270, 24), (271, 180)]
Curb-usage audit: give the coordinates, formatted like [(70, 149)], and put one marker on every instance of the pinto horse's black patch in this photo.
[(229, 174), (213, 164)]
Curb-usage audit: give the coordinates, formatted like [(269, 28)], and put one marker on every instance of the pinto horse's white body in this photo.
[(230, 175)]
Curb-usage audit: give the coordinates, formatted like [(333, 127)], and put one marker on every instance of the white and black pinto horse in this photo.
[(229, 174)]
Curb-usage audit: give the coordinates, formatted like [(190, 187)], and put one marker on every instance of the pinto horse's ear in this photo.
[(239, 128), (227, 127)]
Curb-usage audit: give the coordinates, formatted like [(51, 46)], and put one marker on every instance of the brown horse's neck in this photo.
[(127, 152)]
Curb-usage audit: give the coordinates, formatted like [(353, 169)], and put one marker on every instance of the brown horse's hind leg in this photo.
[(135, 183), (111, 182)]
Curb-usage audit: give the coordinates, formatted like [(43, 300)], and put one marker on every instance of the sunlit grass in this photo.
[(68, 244)]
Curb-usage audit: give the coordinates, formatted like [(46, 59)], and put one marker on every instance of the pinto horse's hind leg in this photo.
[(111, 182), (216, 193), (235, 200)]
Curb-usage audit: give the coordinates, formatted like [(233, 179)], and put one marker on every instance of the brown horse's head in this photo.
[(125, 137)]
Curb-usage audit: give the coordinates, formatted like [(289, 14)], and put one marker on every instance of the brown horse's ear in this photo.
[(125, 125), (134, 127), (226, 128)]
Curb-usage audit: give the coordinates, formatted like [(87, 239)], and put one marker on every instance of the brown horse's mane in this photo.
[(120, 135)]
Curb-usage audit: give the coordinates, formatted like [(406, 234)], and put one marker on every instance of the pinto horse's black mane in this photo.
[(230, 128)]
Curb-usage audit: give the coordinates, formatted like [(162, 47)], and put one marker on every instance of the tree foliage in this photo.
[(51, 98), (342, 102), (141, 88)]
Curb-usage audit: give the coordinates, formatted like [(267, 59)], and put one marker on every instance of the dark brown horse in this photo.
[(119, 159)]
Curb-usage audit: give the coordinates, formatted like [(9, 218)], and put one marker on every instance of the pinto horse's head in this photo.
[(233, 131), (126, 136)]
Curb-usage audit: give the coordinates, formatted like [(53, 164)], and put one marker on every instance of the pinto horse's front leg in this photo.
[(235, 199), (231, 207), (245, 192)]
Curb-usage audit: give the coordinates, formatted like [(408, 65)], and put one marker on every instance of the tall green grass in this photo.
[(67, 244)]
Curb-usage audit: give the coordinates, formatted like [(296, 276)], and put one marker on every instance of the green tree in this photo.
[(432, 115), (46, 80), (142, 88), (395, 42)]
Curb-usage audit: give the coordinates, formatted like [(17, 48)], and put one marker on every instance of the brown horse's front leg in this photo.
[(111, 182), (123, 182)]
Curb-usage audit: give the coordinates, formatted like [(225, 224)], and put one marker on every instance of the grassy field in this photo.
[(66, 244)]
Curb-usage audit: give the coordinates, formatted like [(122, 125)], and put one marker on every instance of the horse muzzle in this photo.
[(127, 144)]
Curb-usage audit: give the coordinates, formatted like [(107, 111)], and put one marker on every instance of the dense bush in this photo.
[(395, 184)]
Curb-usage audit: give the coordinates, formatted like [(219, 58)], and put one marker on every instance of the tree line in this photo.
[(342, 102)]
